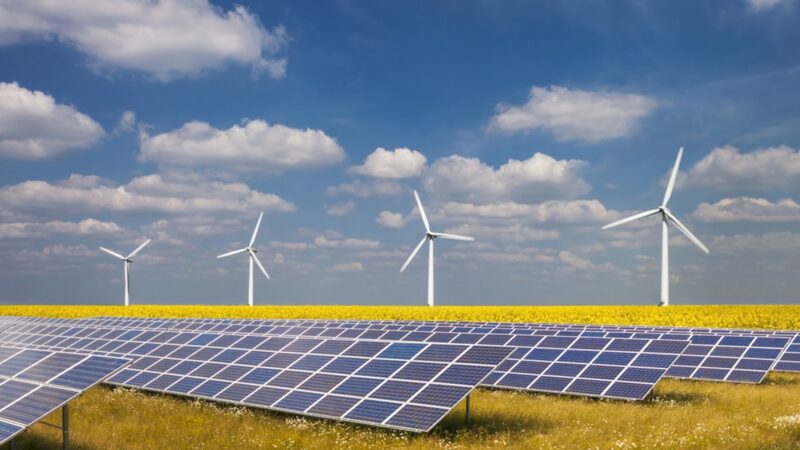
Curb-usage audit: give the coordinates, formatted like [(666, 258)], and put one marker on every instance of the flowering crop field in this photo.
[(681, 414)]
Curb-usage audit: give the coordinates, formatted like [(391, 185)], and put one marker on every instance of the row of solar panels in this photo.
[(412, 379), (703, 354), (789, 360)]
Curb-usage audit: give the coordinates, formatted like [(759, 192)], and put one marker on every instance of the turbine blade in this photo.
[(133, 253), (255, 230), (422, 212), (455, 237), (112, 253), (235, 252), (631, 218), (258, 263), (672, 177), (685, 231), (414, 253)]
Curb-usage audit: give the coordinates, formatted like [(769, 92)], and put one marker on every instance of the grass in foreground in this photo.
[(682, 414)]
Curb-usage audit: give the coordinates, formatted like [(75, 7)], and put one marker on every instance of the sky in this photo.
[(528, 125)]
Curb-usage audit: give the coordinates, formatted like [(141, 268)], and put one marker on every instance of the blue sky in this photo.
[(528, 125)]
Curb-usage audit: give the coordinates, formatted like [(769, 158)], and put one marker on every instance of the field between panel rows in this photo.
[(681, 414)]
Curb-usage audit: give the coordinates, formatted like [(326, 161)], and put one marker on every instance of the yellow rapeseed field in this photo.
[(770, 316)]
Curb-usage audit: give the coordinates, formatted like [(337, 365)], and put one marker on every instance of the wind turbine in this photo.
[(666, 217), (430, 236), (127, 260), (252, 256)]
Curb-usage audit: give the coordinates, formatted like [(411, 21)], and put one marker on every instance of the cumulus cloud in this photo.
[(764, 169), (292, 246), (575, 262), (166, 39), (255, 145), (126, 123), (388, 219), (748, 209), (764, 5), (397, 163), (345, 243), (172, 194), (33, 126), (540, 177), (340, 209), (42, 229), (556, 211), (347, 267), (572, 114), (372, 188), (772, 242)]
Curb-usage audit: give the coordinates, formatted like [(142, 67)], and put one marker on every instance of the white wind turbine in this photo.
[(252, 256), (127, 260), (666, 217), (429, 238)]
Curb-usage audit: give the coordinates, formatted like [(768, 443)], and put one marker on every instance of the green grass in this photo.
[(681, 414)]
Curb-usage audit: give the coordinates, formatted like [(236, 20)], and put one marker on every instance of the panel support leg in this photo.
[(65, 426), (469, 421)]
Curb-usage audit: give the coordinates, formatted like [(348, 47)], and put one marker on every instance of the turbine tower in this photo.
[(666, 218), (252, 257), (126, 261), (430, 236)]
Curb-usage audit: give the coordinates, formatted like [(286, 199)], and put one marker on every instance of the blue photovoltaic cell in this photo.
[(8, 430), (372, 411)]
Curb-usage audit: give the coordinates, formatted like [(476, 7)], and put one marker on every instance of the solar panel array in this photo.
[(627, 369), (231, 360), (34, 383), (409, 386), (742, 360)]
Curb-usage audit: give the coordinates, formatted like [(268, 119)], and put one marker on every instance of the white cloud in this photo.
[(764, 169), (127, 122), (347, 267), (748, 209), (254, 146), (763, 5), (388, 219), (34, 126), (373, 188), (163, 38), (571, 114), (345, 243), (575, 262), (340, 209), (557, 211), (541, 177), (397, 163), (174, 194), (73, 251), (293, 246), (770, 242), (42, 229)]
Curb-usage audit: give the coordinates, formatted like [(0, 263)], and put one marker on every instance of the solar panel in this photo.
[(743, 359), (34, 383)]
